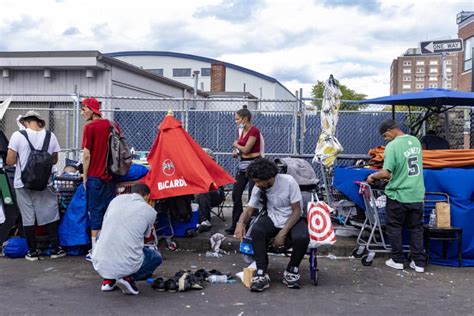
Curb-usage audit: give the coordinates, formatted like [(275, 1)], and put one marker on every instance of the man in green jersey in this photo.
[(403, 167)]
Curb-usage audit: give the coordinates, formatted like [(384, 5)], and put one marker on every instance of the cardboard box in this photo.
[(443, 215), (248, 274)]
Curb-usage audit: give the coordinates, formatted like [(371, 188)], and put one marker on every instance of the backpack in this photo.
[(38, 167), (119, 158)]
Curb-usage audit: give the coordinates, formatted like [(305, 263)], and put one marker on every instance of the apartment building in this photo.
[(413, 72)]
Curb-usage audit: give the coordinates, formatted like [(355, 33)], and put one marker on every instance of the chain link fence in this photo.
[(290, 128)]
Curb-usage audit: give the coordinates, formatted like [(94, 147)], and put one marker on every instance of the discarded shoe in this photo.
[(159, 285), (171, 286)]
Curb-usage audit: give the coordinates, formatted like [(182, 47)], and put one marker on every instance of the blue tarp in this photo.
[(75, 224), (458, 183)]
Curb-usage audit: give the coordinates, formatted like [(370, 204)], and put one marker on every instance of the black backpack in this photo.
[(38, 167)]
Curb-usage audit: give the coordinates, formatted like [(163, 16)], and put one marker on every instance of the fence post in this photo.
[(76, 115), (294, 136), (302, 122)]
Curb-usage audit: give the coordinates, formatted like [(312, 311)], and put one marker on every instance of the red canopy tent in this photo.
[(179, 166)]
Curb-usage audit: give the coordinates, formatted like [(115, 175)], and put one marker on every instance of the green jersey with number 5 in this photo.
[(403, 159)]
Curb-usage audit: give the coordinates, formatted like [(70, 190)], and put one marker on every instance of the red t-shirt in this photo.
[(252, 132), (96, 139)]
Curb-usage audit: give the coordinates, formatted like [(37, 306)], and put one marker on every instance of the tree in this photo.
[(347, 94)]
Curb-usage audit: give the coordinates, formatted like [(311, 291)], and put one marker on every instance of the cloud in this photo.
[(235, 11), (296, 42), (364, 5), (71, 31)]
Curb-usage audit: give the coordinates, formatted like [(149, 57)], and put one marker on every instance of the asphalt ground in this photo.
[(70, 286)]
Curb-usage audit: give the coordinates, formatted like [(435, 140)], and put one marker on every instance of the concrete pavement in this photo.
[(70, 285)]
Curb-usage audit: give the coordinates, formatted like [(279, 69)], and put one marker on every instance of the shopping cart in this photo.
[(338, 201), (372, 238), (65, 187)]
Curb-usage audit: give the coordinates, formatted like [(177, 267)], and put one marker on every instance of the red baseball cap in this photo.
[(93, 105)]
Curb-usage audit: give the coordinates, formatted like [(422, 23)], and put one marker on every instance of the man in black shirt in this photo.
[(431, 141)]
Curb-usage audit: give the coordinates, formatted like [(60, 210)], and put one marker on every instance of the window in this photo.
[(420, 78), (448, 85), (468, 45), (420, 70), (433, 62), (448, 69), (407, 71), (433, 85), (158, 72), (182, 72), (205, 72), (420, 86), (433, 78), (406, 86), (420, 62), (407, 63), (449, 62), (406, 78), (433, 70)]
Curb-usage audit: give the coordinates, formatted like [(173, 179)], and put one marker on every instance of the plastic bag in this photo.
[(321, 231), (15, 247), (74, 227)]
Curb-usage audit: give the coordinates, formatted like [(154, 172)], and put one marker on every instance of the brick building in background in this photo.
[(465, 21), (413, 72)]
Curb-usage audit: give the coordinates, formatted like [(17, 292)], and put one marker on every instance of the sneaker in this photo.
[(89, 256), (393, 264), (57, 253), (108, 285), (292, 279), (205, 226), (127, 285), (416, 268), (260, 283), (159, 285), (32, 255)]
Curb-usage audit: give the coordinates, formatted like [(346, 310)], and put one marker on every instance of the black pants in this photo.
[(206, 202), (264, 230), (410, 214), (237, 192)]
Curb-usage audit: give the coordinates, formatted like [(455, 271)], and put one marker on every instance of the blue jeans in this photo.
[(99, 194), (152, 259)]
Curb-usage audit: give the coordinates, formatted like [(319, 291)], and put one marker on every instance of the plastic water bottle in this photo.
[(217, 279), (1, 163), (432, 219)]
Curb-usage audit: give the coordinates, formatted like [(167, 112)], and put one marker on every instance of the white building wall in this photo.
[(167, 63), (235, 80), (61, 82)]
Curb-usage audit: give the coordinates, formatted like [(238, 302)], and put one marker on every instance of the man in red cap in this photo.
[(100, 189)]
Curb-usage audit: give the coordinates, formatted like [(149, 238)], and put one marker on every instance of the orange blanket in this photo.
[(452, 158)]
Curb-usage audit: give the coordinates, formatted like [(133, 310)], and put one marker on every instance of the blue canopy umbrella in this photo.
[(435, 100)]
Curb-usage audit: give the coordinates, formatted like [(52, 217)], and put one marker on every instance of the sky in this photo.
[(298, 42)]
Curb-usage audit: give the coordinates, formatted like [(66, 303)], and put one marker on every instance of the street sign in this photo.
[(444, 46)]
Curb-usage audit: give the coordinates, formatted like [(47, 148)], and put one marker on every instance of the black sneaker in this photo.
[(127, 285), (159, 285), (58, 253), (292, 279), (260, 283), (32, 255)]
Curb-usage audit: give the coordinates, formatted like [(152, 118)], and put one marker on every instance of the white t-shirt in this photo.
[(284, 192), (19, 144), (119, 248)]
